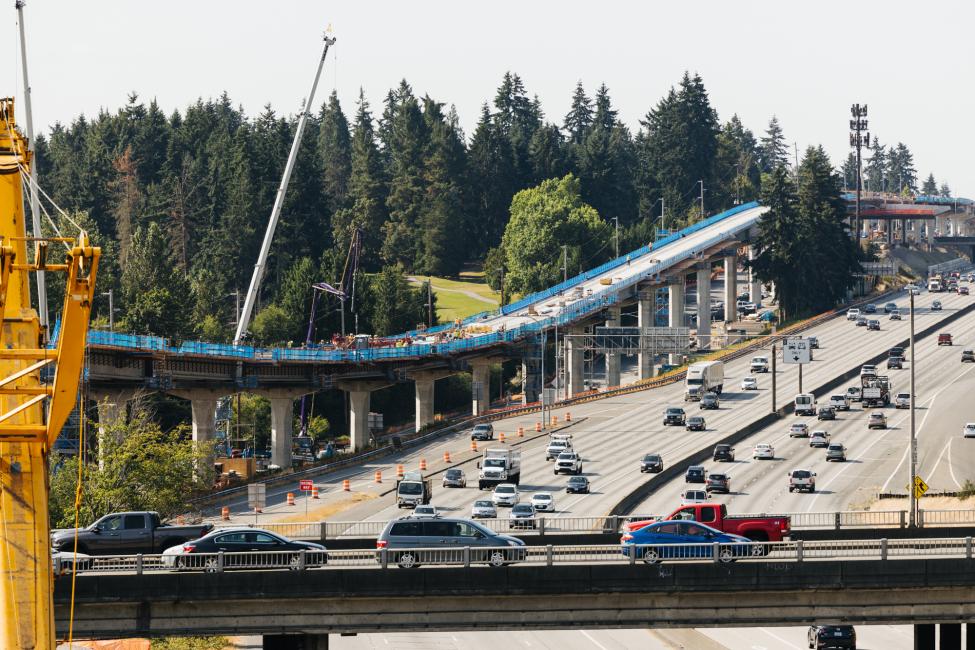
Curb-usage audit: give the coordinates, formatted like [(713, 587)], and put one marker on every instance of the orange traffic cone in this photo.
[(501, 436), (379, 476), (538, 426), (346, 485), (291, 498), (555, 420), (446, 457), (314, 492), (399, 471), (473, 445), (521, 432), (225, 513), (423, 464)]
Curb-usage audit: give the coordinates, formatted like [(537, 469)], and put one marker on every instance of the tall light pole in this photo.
[(111, 309), (617, 235), (859, 138), (701, 182), (910, 484)]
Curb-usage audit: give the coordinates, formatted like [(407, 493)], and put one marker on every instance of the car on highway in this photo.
[(897, 351), (821, 637), (870, 309), (763, 451), (402, 537), (854, 394), (522, 515), (826, 413), (505, 494), (873, 325), (759, 364), (543, 502), (568, 461), (674, 415), (890, 307), (868, 370), (967, 355), (861, 321), (424, 511), (709, 401), (819, 439), (723, 453), (944, 339), (802, 480), (895, 363), (454, 477), (840, 402), (962, 291), (755, 527), (695, 474), (696, 423), (556, 446), (577, 485), (799, 430), (482, 432), (127, 533), (813, 342), (895, 315), (836, 451), (238, 545), (666, 540), (902, 401), (877, 420), (852, 314), (652, 463), (484, 509), (687, 497), (749, 383), (913, 289), (718, 482), (936, 305), (969, 430)]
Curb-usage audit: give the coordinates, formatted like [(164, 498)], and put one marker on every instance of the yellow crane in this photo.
[(32, 412)]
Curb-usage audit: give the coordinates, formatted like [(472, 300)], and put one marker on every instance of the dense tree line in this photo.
[(180, 201)]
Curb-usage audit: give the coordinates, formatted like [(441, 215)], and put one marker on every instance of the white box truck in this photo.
[(499, 466), (703, 377)]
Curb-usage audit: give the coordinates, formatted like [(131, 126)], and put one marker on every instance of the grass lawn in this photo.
[(460, 298)]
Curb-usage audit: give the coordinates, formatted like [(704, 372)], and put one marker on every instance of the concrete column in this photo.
[(481, 376), (204, 413), (111, 409), (359, 419), (424, 402), (575, 363), (531, 373), (675, 306), (924, 636), (613, 358), (704, 306), (754, 285), (644, 319), (730, 288), (282, 420), (950, 634)]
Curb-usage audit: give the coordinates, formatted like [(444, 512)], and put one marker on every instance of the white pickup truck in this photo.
[(568, 461), (557, 445), (759, 364), (802, 480)]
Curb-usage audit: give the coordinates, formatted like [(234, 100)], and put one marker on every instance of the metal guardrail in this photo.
[(796, 551), (951, 265), (840, 520)]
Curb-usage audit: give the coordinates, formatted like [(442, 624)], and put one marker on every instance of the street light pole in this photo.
[(111, 309), (617, 221), (910, 484)]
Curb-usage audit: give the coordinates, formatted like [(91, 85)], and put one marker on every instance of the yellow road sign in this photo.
[(920, 487)]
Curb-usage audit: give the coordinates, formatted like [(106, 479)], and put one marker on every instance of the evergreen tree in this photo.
[(737, 162), (875, 170), (849, 173), (579, 119), (900, 169), (605, 162), (335, 152), (154, 292), (773, 151), (945, 191), (930, 187), (548, 153), (493, 181)]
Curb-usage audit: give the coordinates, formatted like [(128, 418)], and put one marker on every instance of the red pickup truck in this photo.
[(715, 515)]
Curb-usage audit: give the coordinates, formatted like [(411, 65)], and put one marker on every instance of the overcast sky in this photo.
[(911, 62)]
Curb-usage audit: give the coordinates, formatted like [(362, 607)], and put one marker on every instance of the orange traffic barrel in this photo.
[(568, 417), (473, 445), (423, 464), (399, 471), (291, 498), (538, 426), (446, 457), (347, 485), (521, 432), (314, 492), (501, 436), (225, 513), (379, 476)]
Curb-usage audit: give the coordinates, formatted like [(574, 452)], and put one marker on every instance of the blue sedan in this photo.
[(669, 539)]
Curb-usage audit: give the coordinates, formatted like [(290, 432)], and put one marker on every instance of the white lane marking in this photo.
[(594, 641), (930, 404), (951, 469), (941, 456), (780, 639)]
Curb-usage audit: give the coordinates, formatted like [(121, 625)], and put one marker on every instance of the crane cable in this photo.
[(82, 447)]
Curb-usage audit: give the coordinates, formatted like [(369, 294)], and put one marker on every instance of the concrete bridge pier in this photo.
[(613, 358), (675, 306), (575, 361), (644, 319), (480, 385), (424, 381), (730, 288), (295, 642), (704, 305), (359, 393), (754, 284), (112, 409)]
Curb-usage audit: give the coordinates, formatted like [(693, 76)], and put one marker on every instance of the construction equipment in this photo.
[(26, 437)]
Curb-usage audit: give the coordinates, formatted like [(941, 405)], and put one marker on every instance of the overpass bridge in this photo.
[(921, 581), (123, 364), (896, 215)]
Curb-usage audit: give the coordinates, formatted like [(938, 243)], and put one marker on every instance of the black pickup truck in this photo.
[(127, 533)]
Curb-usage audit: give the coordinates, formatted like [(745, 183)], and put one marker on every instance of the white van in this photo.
[(805, 404)]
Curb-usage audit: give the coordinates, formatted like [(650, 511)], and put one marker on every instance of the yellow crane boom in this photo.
[(26, 435)]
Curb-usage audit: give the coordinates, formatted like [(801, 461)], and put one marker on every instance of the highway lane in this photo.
[(875, 457), (619, 430)]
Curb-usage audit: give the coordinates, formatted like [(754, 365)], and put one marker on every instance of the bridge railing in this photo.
[(550, 555)]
